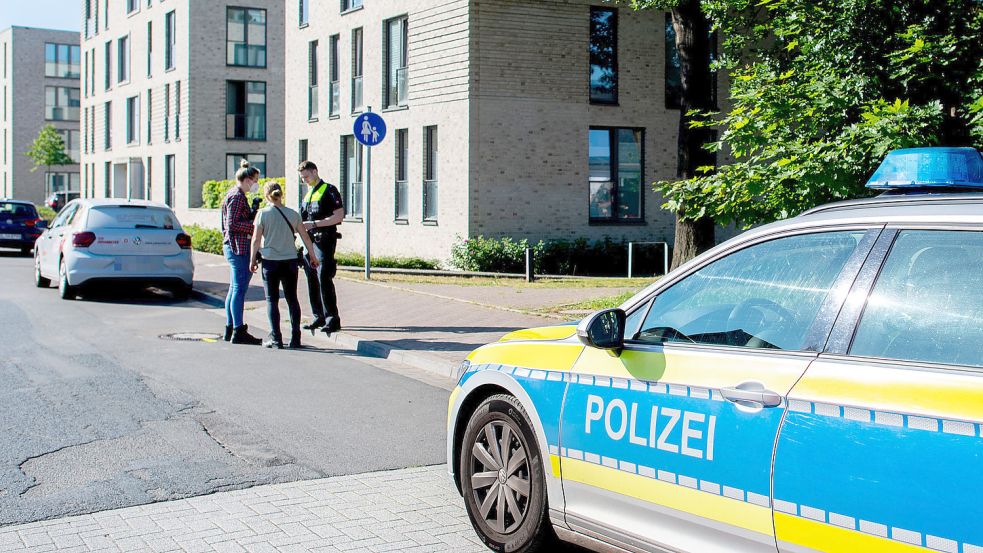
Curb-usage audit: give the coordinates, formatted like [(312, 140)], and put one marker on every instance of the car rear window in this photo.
[(13, 210), (119, 217)]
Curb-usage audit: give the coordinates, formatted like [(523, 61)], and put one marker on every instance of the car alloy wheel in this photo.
[(39, 280), (66, 290), (502, 478)]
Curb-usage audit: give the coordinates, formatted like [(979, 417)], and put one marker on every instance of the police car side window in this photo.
[(927, 303), (763, 296)]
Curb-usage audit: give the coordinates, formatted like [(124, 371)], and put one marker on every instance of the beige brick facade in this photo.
[(507, 84), (23, 90), (182, 110)]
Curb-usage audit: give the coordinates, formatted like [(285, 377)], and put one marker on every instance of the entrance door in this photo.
[(669, 443)]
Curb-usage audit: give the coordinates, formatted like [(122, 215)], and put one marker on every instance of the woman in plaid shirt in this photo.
[(237, 228)]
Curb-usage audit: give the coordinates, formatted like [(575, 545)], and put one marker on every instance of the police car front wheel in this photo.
[(502, 477)]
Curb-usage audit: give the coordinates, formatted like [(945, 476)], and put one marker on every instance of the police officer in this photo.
[(322, 212)]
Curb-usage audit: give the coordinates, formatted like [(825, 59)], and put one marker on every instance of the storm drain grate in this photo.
[(192, 337)]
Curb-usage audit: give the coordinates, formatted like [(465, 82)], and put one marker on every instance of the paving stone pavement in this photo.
[(413, 510)]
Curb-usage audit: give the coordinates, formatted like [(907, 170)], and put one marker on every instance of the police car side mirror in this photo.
[(604, 329)]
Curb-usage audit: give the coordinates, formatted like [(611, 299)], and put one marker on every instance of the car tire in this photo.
[(493, 495), (27, 250), (39, 280), (65, 290)]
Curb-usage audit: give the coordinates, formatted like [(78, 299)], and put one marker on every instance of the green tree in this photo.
[(821, 90), (48, 149), (694, 45)]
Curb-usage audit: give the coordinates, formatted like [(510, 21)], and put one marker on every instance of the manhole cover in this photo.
[(192, 337)]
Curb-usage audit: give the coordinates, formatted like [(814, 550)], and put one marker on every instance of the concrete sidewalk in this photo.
[(424, 327)]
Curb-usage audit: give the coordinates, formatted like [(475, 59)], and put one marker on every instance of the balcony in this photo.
[(357, 94)]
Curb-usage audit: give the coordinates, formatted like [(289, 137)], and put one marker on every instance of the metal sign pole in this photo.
[(369, 130), (368, 211)]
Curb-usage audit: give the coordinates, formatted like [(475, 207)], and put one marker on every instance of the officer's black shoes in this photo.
[(333, 324), (316, 324), (273, 342), (228, 333), (241, 335)]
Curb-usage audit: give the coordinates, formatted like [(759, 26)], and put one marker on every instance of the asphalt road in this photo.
[(97, 411)]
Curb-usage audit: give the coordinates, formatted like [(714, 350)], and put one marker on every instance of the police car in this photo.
[(815, 384)]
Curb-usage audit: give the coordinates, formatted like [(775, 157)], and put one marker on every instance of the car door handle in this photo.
[(751, 394)]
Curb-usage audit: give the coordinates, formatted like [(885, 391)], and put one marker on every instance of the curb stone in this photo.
[(416, 359)]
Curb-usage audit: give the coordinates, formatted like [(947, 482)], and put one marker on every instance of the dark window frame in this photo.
[(613, 145), (401, 168), (614, 56), (245, 94), (245, 30), (431, 176), (387, 101), (170, 40)]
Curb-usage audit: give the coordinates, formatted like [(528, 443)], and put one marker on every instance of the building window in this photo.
[(92, 129), (232, 163), (395, 62), (150, 48), (170, 38), (246, 110), (89, 27), (107, 179), (357, 66), (61, 103), (401, 195), (92, 73), (66, 185), (85, 131), (167, 113), (177, 110), (132, 6), (150, 116), (603, 55), (312, 80), (246, 37), (302, 152), (133, 120), (150, 178), (85, 77), (169, 180), (305, 12), (62, 60), (70, 138), (615, 175), (123, 60), (109, 64), (430, 174), (334, 90), (351, 176), (107, 142), (348, 5)]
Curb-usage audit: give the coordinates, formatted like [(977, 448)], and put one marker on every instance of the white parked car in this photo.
[(114, 241)]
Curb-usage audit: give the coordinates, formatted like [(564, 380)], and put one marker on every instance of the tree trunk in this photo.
[(693, 42)]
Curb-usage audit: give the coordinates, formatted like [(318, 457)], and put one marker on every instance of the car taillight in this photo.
[(32, 222), (184, 241), (83, 239)]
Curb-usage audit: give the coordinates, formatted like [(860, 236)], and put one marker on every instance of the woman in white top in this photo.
[(273, 239)]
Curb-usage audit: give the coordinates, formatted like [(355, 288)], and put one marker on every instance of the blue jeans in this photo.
[(239, 276)]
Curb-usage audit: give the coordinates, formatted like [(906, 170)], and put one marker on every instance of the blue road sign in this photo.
[(369, 129)]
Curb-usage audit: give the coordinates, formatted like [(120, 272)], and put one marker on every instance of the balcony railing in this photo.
[(429, 200), (354, 193), (249, 127), (61, 113), (402, 200), (312, 105), (357, 93), (334, 90)]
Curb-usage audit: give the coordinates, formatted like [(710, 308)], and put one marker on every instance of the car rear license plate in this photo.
[(9, 237)]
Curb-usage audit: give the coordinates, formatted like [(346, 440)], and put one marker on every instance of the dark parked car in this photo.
[(20, 225)]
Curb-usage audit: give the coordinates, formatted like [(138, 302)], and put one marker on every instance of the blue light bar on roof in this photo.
[(922, 168)]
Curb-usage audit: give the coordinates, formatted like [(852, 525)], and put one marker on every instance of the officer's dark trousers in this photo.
[(324, 301), (275, 275)]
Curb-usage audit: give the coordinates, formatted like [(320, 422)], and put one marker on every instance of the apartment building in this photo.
[(176, 93), (539, 120), (39, 85)]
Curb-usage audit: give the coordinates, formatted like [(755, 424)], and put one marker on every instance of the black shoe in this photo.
[(273, 342), (333, 325), (295, 340), (241, 335), (314, 325), (228, 333)]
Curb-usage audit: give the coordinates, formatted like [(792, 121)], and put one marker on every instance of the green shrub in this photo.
[(605, 257), (352, 259), (46, 213), (214, 191), (204, 239)]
